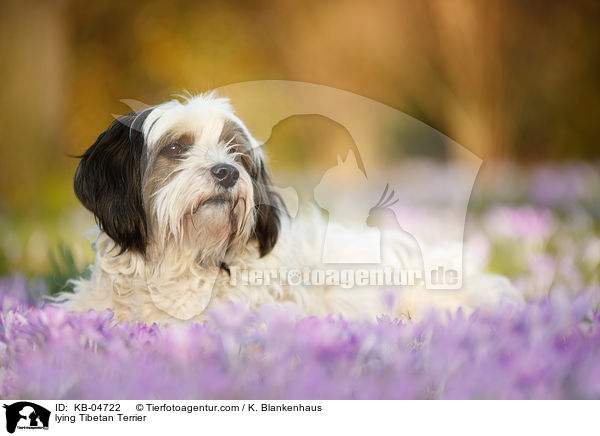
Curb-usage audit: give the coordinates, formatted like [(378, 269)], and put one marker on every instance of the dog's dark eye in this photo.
[(174, 149)]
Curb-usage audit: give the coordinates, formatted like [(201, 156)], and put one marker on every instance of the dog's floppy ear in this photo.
[(268, 206), (108, 182)]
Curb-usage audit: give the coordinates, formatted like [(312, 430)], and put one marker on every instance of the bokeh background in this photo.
[(514, 81)]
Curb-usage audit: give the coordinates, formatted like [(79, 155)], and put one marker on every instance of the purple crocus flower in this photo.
[(548, 349)]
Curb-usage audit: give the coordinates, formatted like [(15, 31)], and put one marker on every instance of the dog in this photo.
[(183, 199)]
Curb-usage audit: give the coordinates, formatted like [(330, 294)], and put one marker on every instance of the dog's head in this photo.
[(187, 174)]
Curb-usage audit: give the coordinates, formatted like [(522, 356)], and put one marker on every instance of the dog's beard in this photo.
[(219, 226), (208, 225)]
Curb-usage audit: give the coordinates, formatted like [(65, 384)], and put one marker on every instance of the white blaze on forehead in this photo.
[(202, 115)]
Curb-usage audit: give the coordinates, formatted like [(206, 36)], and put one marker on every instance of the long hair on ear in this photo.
[(108, 182), (268, 205)]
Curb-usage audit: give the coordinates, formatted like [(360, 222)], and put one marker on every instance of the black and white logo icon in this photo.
[(26, 415)]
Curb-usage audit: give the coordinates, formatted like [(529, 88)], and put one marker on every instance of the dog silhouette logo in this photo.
[(26, 415)]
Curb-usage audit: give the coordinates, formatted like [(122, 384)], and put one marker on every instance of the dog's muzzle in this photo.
[(225, 174)]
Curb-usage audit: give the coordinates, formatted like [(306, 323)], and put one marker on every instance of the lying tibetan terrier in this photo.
[(182, 196)]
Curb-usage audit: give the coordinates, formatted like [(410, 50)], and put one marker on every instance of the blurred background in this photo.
[(512, 80)]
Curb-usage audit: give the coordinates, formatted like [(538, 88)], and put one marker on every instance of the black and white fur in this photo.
[(170, 230)]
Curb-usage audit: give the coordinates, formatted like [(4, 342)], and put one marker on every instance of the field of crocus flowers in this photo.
[(539, 226)]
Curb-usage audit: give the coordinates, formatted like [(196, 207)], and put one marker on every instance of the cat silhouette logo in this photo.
[(26, 415)]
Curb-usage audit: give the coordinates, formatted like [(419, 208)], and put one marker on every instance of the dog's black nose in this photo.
[(226, 174)]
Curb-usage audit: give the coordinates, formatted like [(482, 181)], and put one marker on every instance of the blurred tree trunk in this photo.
[(32, 70), (469, 48)]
